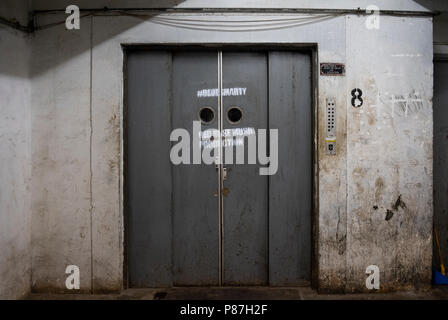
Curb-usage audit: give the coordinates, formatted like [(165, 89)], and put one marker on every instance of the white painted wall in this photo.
[(15, 160)]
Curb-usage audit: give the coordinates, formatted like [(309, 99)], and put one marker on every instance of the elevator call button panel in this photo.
[(330, 125)]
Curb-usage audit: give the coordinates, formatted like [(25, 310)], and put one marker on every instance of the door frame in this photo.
[(311, 49)]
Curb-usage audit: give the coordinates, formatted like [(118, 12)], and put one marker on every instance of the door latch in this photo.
[(224, 173)]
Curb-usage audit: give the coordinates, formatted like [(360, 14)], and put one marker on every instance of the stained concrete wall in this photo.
[(383, 154), (15, 160), (389, 152), (61, 176)]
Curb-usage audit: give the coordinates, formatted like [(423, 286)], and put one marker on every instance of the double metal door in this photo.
[(218, 224)]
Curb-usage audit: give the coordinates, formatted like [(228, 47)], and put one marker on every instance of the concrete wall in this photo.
[(15, 160), (389, 152), (61, 176), (384, 148)]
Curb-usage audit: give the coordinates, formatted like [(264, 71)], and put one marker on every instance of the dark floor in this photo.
[(246, 293)]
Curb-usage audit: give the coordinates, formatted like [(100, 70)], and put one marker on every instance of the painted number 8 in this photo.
[(356, 98)]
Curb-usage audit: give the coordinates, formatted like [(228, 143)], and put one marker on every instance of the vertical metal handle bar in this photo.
[(220, 172)]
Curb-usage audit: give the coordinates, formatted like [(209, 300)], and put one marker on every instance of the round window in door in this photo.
[(234, 115), (206, 115)]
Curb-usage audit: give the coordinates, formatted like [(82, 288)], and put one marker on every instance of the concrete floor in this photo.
[(246, 293)]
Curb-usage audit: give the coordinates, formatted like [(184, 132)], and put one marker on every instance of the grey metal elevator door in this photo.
[(174, 232)]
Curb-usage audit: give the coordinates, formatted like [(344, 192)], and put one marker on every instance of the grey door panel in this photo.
[(246, 203), (290, 189), (148, 169), (195, 220)]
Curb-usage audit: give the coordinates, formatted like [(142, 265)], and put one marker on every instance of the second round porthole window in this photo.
[(234, 115)]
